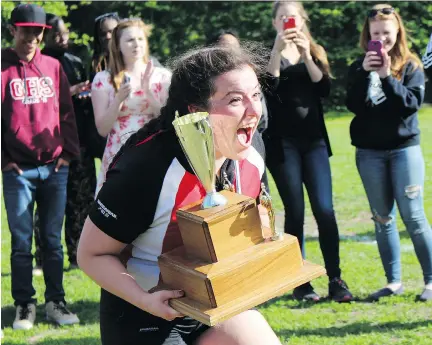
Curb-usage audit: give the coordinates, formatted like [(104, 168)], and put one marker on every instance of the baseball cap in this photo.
[(29, 15)]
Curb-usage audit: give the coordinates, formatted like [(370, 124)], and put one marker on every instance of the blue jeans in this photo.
[(308, 162), (397, 177), (48, 189)]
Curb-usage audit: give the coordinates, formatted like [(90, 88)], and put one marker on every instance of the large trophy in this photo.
[(225, 265)]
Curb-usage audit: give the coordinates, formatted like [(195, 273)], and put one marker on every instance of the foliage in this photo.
[(181, 25)]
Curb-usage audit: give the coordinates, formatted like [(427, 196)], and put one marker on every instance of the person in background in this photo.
[(385, 91), (152, 167), (297, 144), (82, 173), (427, 60), (39, 139), (102, 33), (131, 93)]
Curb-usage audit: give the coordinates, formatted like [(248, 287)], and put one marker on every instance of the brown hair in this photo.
[(400, 53), (192, 82), (116, 62), (317, 51)]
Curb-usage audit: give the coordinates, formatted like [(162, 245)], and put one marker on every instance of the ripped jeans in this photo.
[(390, 178)]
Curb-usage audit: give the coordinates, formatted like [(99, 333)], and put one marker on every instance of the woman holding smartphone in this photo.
[(297, 143), (385, 92), (130, 93)]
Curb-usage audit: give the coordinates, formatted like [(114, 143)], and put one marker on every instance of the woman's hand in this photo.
[(385, 70), (123, 92), (157, 303), (145, 77), (284, 38), (80, 87), (372, 61), (303, 45)]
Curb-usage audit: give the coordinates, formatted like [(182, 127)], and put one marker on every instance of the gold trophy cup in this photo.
[(225, 265)]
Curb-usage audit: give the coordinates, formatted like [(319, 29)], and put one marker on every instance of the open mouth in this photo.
[(244, 135)]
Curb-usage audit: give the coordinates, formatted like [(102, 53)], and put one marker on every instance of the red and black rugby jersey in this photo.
[(145, 187)]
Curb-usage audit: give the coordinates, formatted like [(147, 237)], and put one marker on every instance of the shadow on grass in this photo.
[(80, 341), (87, 311), (356, 328), (361, 237)]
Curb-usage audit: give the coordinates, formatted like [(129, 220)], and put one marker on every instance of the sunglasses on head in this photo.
[(386, 11), (107, 15)]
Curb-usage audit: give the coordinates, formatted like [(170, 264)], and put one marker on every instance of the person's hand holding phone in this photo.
[(372, 61), (124, 90), (303, 45), (80, 88), (385, 70)]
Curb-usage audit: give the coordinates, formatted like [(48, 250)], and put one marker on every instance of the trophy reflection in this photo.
[(225, 265)]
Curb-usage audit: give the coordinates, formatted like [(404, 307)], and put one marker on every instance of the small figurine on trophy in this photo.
[(266, 202)]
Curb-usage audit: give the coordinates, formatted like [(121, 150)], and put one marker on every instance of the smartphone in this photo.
[(126, 79), (84, 93), (376, 46), (289, 23)]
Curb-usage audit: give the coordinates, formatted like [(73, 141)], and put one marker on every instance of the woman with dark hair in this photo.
[(228, 37), (297, 143), (102, 33), (149, 179)]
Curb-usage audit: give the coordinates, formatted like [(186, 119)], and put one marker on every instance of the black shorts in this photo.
[(121, 323)]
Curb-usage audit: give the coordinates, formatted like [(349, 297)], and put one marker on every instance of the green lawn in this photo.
[(398, 320)]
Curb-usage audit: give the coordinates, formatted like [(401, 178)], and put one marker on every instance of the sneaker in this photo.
[(338, 291), (37, 271), (73, 266), (25, 316), (384, 292), (305, 292), (426, 295), (58, 313)]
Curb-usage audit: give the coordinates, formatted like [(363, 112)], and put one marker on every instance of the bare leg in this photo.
[(247, 328)]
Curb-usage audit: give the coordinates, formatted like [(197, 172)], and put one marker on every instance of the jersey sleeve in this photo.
[(125, 206)]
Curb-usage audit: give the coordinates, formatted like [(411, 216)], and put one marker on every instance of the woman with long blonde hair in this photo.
[(131, 92), (297, 143), (385, 92)]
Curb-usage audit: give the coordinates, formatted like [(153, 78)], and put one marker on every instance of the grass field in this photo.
[(399, 320)]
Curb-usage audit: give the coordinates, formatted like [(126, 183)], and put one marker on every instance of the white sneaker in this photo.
[(25, 316), (58, 313), (37, 271)]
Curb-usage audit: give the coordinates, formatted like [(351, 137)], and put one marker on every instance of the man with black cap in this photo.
[(39, 139)]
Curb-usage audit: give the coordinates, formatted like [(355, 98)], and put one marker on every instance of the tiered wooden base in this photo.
[(220, 281)]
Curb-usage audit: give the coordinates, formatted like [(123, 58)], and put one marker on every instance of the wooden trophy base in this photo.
[(217, 291)]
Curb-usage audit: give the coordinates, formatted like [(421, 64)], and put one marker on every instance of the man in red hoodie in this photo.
[(39, 139)]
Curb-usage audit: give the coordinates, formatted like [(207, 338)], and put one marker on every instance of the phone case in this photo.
[(376, 46), (289, 23)]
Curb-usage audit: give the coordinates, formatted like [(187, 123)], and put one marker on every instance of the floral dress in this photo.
[(137, 110)]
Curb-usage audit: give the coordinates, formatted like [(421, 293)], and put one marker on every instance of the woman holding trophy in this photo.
[(152, 177)]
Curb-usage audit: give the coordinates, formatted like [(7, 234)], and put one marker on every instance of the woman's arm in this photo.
[(98, 257), (314, 72), (357, 88), (274, 64), (106, 113)]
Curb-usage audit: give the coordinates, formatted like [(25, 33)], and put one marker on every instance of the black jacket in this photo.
[(295, 108), (76, 73), (393, 123)]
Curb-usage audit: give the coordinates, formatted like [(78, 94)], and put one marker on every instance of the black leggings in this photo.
[(121, 323)]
